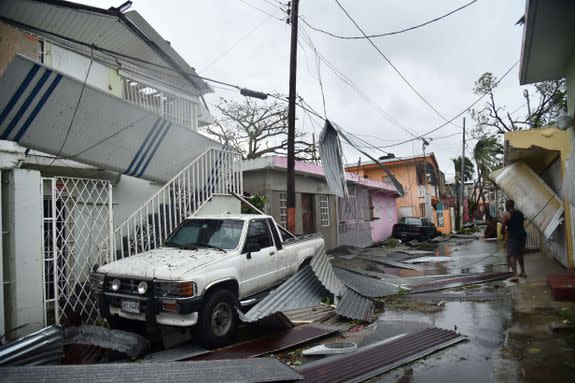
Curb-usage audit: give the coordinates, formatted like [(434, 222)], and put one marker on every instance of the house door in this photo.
[(307, 216)]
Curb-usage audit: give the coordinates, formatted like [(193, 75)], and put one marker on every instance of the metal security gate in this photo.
[(77, 234)]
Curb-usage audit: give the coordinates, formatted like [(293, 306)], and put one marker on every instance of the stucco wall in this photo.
[(272, 183), (385, 215), (129, 194), (14, 41)]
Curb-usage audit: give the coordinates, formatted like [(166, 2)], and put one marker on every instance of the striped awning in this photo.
[(45, 110)]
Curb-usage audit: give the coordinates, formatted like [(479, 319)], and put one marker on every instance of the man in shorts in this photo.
[(512, 222)]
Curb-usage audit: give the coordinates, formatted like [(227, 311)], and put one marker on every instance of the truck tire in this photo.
[(218, 319)]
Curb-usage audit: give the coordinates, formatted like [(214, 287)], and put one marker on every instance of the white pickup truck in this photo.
[(205, 269)]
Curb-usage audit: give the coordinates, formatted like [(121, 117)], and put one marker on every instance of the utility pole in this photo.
[(426, 198), (291, 119), (462, 178)]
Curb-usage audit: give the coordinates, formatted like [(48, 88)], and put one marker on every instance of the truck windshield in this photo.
[(216, 233)]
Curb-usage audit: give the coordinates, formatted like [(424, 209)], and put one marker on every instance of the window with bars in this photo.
[(175, 109), (324, 210), (283, 209)]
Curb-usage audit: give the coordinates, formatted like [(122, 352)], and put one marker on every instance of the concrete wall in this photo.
[(76, 66), (272, 183), (22, 251), (14, 41), (129, 194)]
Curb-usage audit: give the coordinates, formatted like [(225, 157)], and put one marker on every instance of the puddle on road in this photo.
[(478, 360)]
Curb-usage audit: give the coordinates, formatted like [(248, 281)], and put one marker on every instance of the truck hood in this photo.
[(166, 263)]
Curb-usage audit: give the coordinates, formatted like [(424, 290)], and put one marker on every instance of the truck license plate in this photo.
[(131, 307)]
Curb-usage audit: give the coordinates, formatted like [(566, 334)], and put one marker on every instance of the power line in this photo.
[(459, 114), (391, 64), (237, 43), (351, 84), (387, 33), (261, 10)]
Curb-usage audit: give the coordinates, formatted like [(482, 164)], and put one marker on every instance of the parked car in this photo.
[(419, 228), (206, 269)]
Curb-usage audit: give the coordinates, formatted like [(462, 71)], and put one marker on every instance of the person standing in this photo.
[(512, 223)]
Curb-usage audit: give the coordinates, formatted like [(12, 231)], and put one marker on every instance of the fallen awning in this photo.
[(45, 110), (532, 196)]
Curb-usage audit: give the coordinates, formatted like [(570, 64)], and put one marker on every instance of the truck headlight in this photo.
[(142, 287), (176, 289), (115, 285)]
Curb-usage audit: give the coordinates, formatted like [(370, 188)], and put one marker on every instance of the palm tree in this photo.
[(487, 155)]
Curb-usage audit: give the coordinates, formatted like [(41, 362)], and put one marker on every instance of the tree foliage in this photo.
[(256, 129), (467, 170), (550, 100)]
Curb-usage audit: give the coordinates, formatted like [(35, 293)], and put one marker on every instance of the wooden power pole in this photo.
[(462, 191), (291, 120)]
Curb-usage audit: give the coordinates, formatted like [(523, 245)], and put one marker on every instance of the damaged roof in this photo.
[(82, 27)]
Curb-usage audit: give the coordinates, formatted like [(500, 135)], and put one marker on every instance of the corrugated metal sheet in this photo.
[(175, 354), (133, 345), (457, 281), (366, 286), (103, 29), (309, 314), (37, 102), (355, 306), (331, 156), (302, 238), (532, 196), (389, 262), (569, 187), (270, 344), (324, 272), (379, 358), (303, 289), (45, 346), (232, 371)]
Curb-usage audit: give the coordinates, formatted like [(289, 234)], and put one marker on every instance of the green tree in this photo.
[(488, 156), (550, 100), (467, 170)]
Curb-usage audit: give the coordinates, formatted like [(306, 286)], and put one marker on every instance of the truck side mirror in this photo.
[(253, 247)]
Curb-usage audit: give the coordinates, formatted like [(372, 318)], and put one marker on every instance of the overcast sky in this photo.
[(230, 41)]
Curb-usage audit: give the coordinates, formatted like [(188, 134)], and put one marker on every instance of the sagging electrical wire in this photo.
[(377, 35)]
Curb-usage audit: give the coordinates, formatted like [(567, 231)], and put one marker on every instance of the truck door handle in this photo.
[(272, 253)]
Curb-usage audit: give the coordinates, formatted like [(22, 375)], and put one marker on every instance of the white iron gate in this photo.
[(77, 234)]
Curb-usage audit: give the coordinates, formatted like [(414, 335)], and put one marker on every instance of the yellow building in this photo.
[(548, 53)]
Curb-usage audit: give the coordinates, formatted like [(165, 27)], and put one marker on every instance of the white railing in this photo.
[(215, 171)]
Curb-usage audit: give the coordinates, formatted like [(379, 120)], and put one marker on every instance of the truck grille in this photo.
[(127, 285)]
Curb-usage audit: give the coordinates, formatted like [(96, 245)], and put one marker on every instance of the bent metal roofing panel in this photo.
[(38, 111)]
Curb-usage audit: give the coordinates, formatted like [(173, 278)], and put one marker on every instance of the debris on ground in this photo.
[(128, 343), (331, 349), (43, 347)]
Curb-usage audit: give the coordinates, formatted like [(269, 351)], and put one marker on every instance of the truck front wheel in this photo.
[(218, 319)]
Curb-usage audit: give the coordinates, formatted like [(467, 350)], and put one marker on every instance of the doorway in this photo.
[(307, 214)]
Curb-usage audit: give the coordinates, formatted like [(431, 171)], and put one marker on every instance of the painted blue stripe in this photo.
[(151, 144), (142, 146), (16, 96), (38, 107), (155, 149)]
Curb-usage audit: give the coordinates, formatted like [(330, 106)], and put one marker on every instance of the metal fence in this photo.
[(215, 171), (77, 234)]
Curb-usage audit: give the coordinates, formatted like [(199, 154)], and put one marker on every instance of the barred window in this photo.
[(324, 210), (283, 209)]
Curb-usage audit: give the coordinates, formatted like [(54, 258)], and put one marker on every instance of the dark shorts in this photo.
[(515, 247)]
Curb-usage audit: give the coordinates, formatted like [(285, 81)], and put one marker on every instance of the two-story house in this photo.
[(100, 156), (423, 184)]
